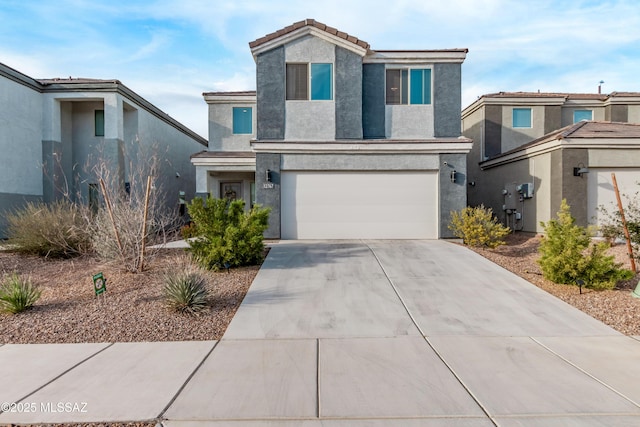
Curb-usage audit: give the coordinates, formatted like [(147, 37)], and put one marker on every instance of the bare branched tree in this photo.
[(132, 215)]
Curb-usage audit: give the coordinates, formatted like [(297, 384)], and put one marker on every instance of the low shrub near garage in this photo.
[(227, 236), (568, 256), (477, 226)]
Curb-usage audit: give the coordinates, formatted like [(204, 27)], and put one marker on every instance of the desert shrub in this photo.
[(185, 290), (118, 229), (227, 235), (57, 229), (567, 254), (17, 294), (477, 226), (188, 231)]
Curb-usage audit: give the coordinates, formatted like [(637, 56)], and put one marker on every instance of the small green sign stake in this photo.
[(99, 283)]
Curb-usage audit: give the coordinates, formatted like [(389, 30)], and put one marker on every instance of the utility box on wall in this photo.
[(526, 190), (510, 197)]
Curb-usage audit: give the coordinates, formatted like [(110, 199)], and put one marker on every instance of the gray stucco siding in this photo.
[(453, 195), (493, 131), (447, 81), (221, 136), (21, 124), (10, 203), (617, 113), (373, 100), (348, 94), (268, 193), (359, 162), (270, 86)]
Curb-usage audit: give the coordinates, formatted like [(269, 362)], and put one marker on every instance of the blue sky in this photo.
[(170, 51)]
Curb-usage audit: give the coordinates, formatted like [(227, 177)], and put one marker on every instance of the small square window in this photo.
[(242, 120), (99, 123), (522, 117), (579, 115)]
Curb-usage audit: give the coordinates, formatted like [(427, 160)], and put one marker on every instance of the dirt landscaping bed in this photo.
[(133, 308)]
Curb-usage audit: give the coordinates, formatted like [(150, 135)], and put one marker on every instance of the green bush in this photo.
[(568, 256), (56, 229), (17, 294), (188, 231), (227, 235), (478, 227), (185, 291)]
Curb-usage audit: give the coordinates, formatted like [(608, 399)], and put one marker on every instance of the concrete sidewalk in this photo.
[(353, 333)]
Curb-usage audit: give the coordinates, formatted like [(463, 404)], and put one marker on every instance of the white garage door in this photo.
[(601, 191), (359, 205)]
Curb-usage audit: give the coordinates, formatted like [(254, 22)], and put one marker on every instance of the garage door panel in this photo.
[(601, 193), (347, 205)]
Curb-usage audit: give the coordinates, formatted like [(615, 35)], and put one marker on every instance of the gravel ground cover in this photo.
[(131, 310)]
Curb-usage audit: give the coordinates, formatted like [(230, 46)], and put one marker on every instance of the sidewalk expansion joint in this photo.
[(182, 387), (585, 372), (413, 320)]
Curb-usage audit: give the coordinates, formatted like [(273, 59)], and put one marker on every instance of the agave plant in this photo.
[(185, 291), (17, 294)]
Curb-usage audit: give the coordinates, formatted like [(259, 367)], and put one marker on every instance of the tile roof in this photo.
[(566, 95), (584, 130), (546, 95), (593, 129), (236, 93), (311, 23)]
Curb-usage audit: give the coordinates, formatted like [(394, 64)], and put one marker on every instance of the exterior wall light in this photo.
[(580, 170), (268, 175), (453, 176)]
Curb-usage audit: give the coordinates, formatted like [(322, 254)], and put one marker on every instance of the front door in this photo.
[(231, 190)]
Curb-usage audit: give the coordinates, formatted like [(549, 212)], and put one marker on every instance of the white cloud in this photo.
[(171, 51)]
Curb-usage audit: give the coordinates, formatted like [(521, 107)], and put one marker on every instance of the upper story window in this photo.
[(309, 81), (242, 120), (522, 117), (579, 115), (408, 86), (99, 123)]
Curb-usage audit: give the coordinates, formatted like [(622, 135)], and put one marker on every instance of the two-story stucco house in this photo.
[(339, 140), (52, 130), (559, 145)]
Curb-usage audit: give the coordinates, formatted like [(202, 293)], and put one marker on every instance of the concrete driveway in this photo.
[(358, 333), (416, 333)]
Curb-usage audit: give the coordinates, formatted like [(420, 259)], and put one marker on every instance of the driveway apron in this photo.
[(416, 333)]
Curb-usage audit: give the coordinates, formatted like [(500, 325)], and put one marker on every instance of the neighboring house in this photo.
[(537, 139), (345, 142), (228, 168), (52, 130)]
